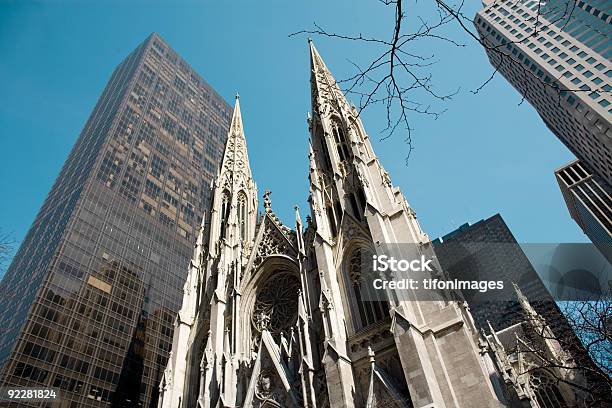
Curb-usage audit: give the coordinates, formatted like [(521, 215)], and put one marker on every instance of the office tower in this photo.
[(488, 250), (557, 55), (88, 303), (589, 200)]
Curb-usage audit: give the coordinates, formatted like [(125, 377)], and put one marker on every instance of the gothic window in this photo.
[(362, 199), (340, 139), (338, 209), (324, 162), (225, 207), (276, 304), (357, 210), (242, 214), (546, 391), (332, 221), (372, 310)]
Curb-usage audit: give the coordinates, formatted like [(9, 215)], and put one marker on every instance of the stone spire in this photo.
[(324, 87), (235, 158), (524, 302)]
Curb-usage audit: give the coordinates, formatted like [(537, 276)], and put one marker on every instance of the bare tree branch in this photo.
[(400, 79)]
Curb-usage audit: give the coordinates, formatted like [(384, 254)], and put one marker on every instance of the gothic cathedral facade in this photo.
[(273, 316)]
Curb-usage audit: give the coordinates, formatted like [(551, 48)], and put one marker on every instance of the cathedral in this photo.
[(274, 316)]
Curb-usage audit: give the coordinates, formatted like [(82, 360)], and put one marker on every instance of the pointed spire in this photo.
[(235, 157), (267, 202), (524, 302), (200, 238), (298, 230), (496, 339), (237, 115), (316, 62), (322, 81), (298, 219), (208, 350)]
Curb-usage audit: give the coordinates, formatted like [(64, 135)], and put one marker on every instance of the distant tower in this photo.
[(557, 54)]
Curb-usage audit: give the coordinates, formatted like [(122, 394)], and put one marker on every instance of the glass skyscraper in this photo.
[(488, 249), (89, 301), (557, 54)]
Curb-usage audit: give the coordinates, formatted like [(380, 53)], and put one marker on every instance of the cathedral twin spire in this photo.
[(235, 158), (253, 274)]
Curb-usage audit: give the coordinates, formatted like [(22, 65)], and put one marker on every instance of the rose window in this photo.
[(276, 304)]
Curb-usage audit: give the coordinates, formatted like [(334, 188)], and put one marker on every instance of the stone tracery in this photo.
[(276, 305)]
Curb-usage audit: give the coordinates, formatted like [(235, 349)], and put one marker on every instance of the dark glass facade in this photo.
[(508, 257), (89, 301)]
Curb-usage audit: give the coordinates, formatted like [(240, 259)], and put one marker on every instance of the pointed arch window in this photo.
[(324, 157), (546, 390), (225, 207), (357, 210), (369, 311), (242, 214), (332, 221), (340, 139)]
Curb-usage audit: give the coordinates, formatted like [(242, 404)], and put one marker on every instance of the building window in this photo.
[(242, 213), (340, 139), (546, 391), (594, 95), (225, 207), (369, 311)]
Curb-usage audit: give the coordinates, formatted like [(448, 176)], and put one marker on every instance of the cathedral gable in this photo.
[(352, 229), (271, 240)]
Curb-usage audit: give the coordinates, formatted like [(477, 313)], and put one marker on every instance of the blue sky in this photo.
[(485, 155)]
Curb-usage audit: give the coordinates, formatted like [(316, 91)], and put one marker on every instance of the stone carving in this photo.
[(265, 385), (267, 202), (276, 304), (273, 242)]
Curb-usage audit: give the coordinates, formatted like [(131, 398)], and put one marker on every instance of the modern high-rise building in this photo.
[(488, 250), (89, 301), (589, 200), (557, 54)]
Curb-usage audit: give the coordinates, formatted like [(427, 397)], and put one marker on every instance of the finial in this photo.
[(371, 355), (237, 95), (309, 40), (267, 202)]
